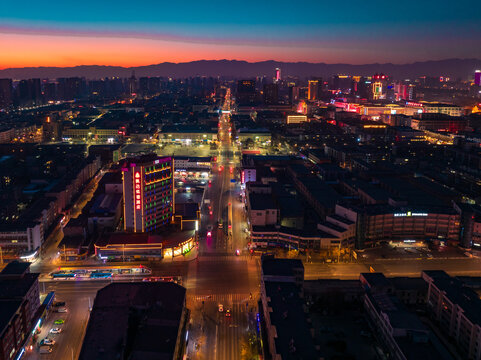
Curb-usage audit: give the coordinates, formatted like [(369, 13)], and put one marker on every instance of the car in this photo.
[(59, 303), (209, 234), (209, 227), (227, 313), (59, 322), (46, 341), (221, 308), (62, 310), (237, 252), (55, 330)]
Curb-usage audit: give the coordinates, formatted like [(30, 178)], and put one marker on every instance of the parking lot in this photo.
[(187, 150)]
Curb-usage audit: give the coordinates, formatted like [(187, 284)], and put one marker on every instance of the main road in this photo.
[(223, 276)]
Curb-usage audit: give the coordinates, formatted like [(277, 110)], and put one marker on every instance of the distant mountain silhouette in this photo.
[(455, 68)]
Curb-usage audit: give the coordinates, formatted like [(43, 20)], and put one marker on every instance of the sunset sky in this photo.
[(132, 33)]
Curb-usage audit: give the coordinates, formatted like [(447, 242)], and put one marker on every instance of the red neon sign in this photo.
[(137, 201)]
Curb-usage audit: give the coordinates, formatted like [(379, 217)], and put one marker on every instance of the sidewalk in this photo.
[(92, 262)]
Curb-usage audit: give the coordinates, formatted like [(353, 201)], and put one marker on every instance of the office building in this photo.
[(137, 321), (148, 193), (380, 222)]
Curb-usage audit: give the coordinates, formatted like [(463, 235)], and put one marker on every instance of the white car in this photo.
[(62, 310), (49, 342), (55, 330)]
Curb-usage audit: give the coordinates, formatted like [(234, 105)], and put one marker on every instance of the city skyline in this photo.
[(62, 35)]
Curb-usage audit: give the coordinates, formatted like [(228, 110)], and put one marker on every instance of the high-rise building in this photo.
[(5, 93), (71, 88), (477, 77), (379, 86), (342, 83), (246, 92), (313, 90), (28, 93), (271, 94), (293, 94), (148, 193), (278, 75), (132, 84)]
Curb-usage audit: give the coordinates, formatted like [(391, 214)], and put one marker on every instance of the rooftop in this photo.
[(261, 202), (15, 268), (294, 339), (156, 309), (14, 287)]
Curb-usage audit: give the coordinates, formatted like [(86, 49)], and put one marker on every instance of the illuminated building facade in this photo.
[(379, 86), (313, 90), (296, 119), (278, 75), (380, 222), (148, 193), (477, 77)]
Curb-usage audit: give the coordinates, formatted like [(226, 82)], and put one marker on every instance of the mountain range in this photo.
[(454, 68)]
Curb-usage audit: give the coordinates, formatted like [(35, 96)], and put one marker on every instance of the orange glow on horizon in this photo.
[(20, 50)]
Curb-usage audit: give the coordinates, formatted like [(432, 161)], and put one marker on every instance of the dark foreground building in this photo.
[(137, 321)]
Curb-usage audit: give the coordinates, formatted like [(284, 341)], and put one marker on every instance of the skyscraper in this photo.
[(246, 92), (293, 94), (5, 93), (148, 193), (278, 75), (379, 86), (477, 77), (28, 93), (313, 90), (271, 94)]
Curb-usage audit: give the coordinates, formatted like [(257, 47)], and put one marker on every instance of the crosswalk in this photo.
[(223, 298)]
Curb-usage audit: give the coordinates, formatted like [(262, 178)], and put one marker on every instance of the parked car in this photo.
[(59, 303), (59, 322), (55, 330), (46, 341), (62, 310)]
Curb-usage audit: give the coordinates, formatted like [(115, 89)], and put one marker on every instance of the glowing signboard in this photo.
[(137, 200), (409, 213)]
